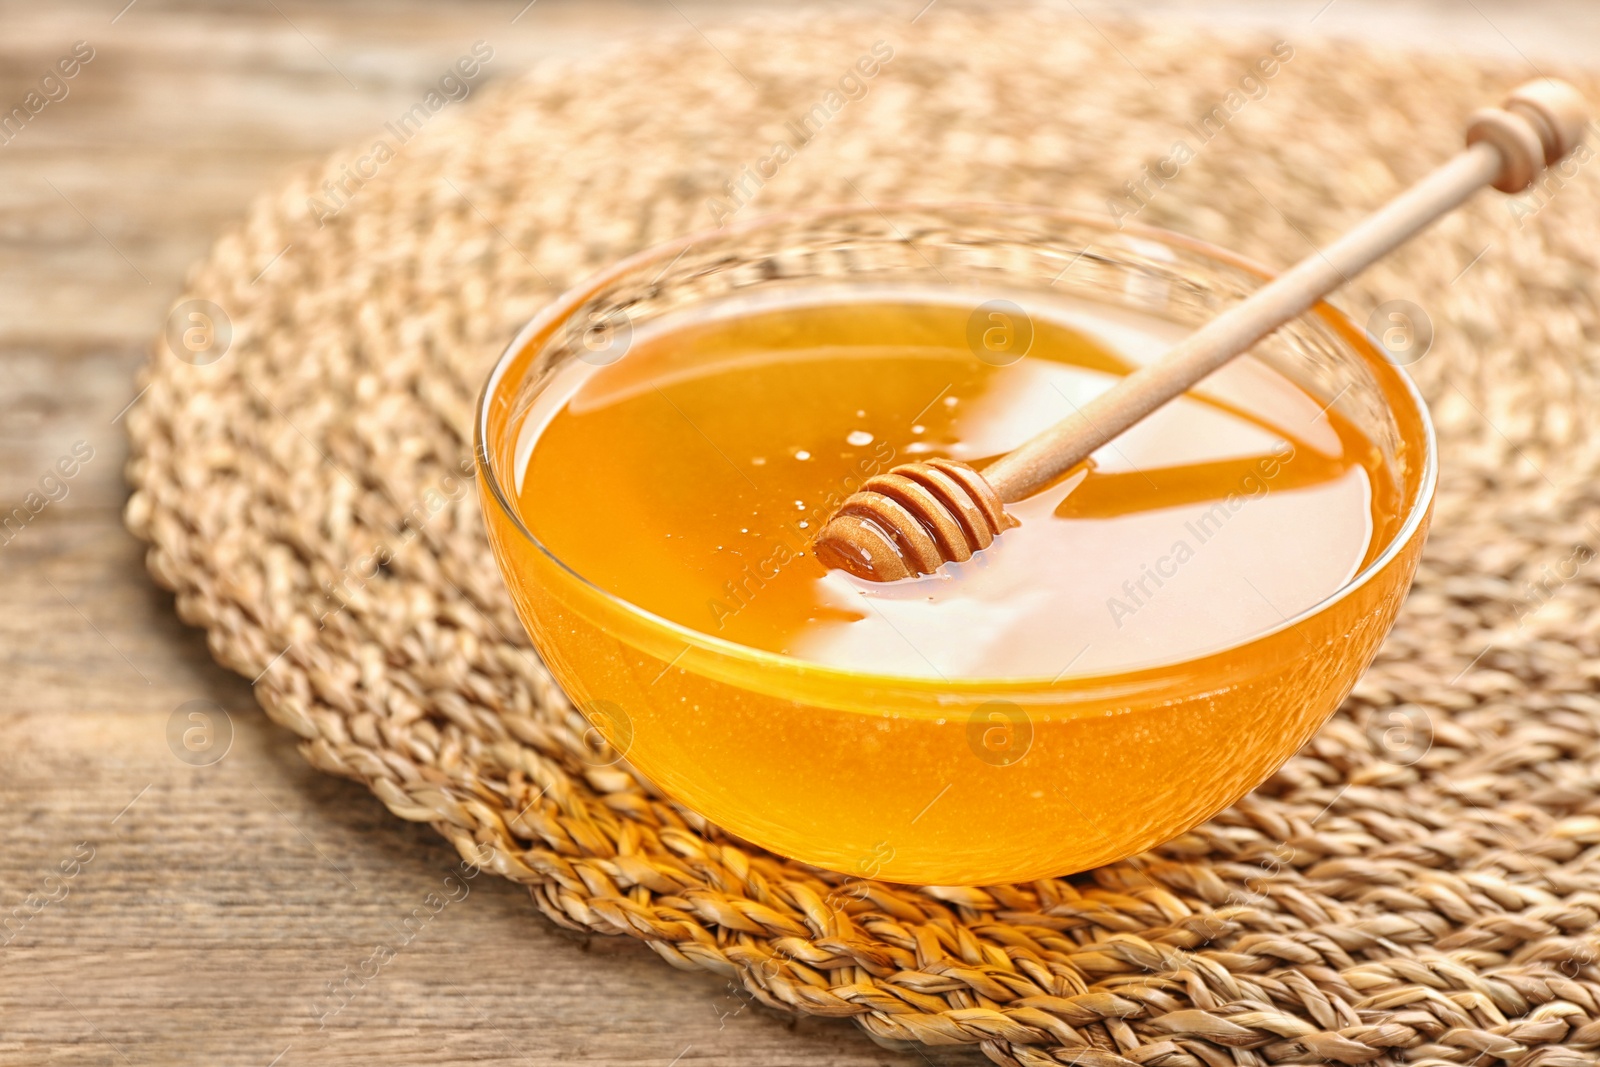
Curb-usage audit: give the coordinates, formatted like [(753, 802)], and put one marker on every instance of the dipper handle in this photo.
[(901, 524)]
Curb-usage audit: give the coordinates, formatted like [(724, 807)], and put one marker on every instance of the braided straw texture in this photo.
[(1419, 885)]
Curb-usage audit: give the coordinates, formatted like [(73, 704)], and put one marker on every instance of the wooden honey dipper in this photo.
[(919, 516)]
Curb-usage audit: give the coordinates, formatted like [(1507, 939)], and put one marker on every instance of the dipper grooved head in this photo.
[(913, 520)]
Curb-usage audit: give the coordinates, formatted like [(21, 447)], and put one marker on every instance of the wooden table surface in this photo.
[(154, 912)]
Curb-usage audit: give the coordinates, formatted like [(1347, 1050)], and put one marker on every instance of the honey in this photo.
[(1163, 629), (689, 477)]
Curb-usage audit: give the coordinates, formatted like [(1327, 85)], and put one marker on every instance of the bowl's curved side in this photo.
[(994, 791)]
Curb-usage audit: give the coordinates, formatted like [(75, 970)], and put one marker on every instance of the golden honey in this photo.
[(1163, 629), (691, 476)]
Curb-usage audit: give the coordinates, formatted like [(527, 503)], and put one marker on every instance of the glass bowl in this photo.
[(925, 781)]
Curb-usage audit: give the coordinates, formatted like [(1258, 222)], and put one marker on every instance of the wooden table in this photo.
[(157, 912)]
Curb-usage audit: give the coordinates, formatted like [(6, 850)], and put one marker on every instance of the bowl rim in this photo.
[(669, 251)]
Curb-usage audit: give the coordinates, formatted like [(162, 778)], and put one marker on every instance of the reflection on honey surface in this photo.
[(690, 476)]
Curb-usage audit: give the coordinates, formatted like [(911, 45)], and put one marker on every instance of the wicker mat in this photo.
[(1419, 885)]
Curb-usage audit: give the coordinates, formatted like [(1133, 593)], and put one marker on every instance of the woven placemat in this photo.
[(1419, 885)]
